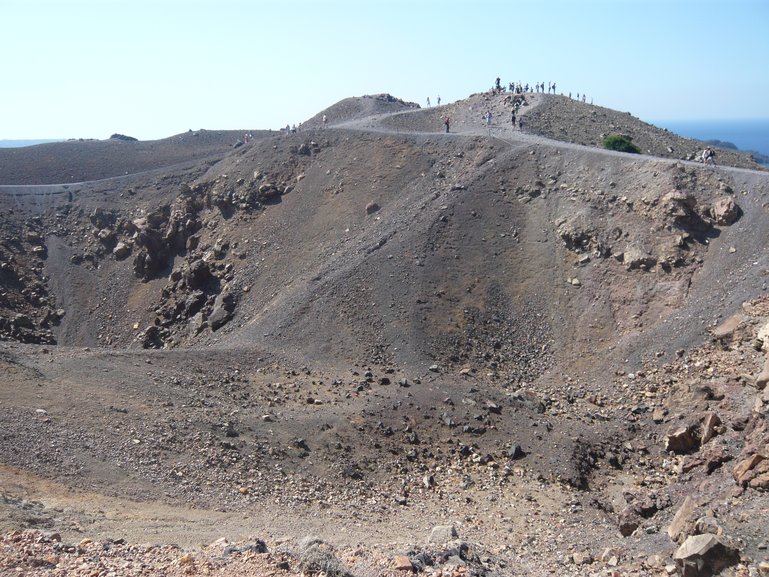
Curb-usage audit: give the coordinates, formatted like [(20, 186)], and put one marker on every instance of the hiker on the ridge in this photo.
[(428, 102), (488, 118), (439, 100), (446, 121), (325, 121)]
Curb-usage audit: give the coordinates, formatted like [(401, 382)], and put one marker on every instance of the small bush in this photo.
[(620, 143), (317, 557)]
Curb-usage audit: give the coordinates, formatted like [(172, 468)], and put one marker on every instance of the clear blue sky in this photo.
[(154, 68)]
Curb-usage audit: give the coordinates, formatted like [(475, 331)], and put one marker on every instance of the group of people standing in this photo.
[(584, 97), (519, 88), (541, 87)]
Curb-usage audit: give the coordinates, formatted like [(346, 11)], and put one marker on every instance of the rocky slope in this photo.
[(374, 330), (562, 118), (83, 160)]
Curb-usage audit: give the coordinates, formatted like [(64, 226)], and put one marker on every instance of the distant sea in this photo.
[(744, 134)]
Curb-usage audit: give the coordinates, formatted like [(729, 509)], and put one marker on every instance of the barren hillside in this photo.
[(377, 330)]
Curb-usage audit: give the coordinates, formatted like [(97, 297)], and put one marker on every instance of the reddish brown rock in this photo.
[(742, 473), (727, 328), (709, 423), (763, 377), (682, 440), (760, 476), (658, 415), (714, 457), (682, 520), (691, 462), (402, 563)]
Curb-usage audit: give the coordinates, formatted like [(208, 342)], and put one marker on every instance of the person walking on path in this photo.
[(513, 118), (325, 121), (446, 121), (439, 100), (709, 156), (428, 102), (488, 118)]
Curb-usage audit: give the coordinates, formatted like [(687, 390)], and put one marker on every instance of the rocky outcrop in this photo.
[(580, 237), (153, 254), (123, 137), (28, 311), (245, 194), (680, 208)]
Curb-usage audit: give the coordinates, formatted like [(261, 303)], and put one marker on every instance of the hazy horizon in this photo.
[(656, 122)]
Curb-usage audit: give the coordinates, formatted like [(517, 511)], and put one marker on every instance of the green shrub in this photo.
[(621, 143)]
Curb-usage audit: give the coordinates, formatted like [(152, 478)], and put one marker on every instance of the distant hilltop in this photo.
[(757, 156)]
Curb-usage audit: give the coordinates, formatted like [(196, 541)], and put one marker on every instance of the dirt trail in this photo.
[(467, 119)]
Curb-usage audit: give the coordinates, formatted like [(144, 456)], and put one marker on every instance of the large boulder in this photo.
[(636, 258), (709, 429), (763, 377), (704, 555), (224, 306), (121, 251), (194, 303), (725, 211), (746, 470), (442, 534), (683, 439), (197, 274), (728, 327), (680, 207), (683, 520)]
